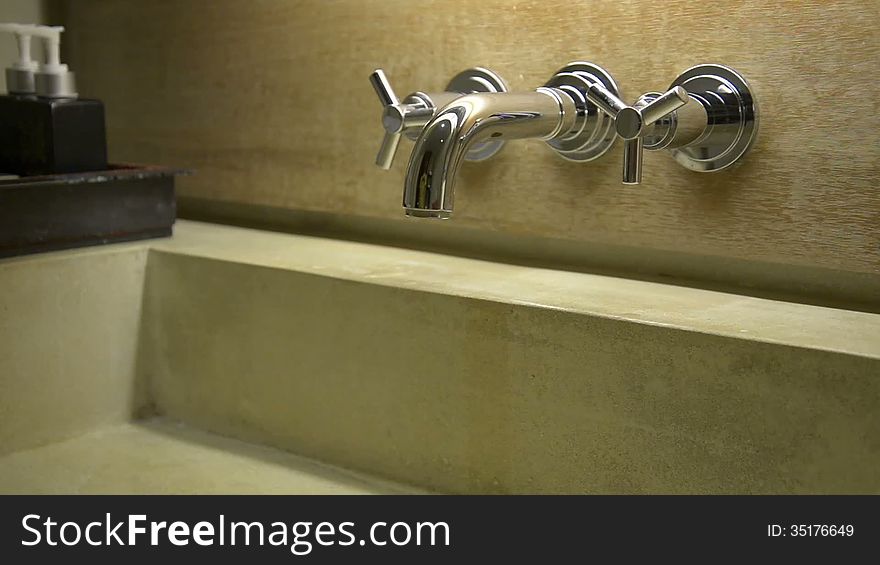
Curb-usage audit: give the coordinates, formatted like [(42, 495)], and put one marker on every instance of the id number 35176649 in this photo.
[(810, 530)]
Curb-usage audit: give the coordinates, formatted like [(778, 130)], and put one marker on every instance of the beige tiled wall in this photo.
[(269, 101)]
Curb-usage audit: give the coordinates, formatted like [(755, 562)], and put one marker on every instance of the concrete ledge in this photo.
[(614, 298), (469, 376), (792, 283)]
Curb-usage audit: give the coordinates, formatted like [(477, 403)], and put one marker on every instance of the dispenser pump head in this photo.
[(53, 79), (20, 75)]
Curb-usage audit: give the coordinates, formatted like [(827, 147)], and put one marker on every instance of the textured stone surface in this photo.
[(69, 326), (467, 376), (158, 457)]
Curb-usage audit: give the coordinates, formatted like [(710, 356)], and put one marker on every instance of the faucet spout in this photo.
[(444, 142)]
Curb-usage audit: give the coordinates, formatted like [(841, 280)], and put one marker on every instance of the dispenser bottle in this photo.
[(45, 128), (20, 75), (53, 80)]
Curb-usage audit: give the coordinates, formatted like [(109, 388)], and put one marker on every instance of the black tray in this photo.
[(124, 203)]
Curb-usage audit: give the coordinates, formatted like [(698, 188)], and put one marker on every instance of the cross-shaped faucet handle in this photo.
[(397, 117), (634, 122)]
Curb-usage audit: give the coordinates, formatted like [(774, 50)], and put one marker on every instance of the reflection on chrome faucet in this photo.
[(410, 115), (443, 143), (559, 113)]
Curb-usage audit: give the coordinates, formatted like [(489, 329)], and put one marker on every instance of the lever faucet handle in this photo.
[(663, 105), (606, 100), (389, 100), (383, 88), (397, 117), (632, 123)]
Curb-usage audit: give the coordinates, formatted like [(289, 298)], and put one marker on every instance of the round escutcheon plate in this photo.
[(733, 117), (596, 135)]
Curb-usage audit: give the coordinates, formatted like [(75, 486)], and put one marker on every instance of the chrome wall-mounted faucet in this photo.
[(708, 120)]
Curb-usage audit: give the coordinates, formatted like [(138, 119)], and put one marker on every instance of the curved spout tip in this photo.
[(421, 213)]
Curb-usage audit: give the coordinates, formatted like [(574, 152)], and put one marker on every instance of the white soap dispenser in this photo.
[(20, 76), (53, 79)]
